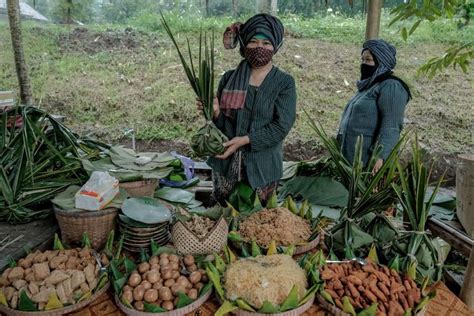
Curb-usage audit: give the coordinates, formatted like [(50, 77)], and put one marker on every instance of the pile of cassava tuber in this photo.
[(69, 274)]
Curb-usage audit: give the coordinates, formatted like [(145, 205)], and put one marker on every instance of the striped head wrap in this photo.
[(385, 55), (235, 89)]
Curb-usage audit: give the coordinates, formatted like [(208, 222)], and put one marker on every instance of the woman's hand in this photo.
[(232, 146), (215, 107), (377, 166)]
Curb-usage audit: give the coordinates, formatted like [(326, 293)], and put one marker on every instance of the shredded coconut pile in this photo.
[(278, 224)]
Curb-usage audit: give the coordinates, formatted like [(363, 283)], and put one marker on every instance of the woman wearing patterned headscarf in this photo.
[(255, 108), (376, 112)]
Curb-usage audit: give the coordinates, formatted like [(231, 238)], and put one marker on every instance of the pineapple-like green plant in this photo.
[(369, 193), (418, 249)]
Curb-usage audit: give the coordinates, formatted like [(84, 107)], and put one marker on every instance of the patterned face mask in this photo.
[(258, 56)]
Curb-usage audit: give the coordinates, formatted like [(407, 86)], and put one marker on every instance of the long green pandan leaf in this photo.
[(38, 159), (411, 192), (202, 82), (367, 192)]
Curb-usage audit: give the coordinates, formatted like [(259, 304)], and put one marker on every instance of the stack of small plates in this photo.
[(144, 219)]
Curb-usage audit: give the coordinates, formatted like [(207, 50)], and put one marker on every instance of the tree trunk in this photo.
[(22, 72), (235, 8), (205, 7), (267, 6), (274, 7), (68, 12), (373, 19)]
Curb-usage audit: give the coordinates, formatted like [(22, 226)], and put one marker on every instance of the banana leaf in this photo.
[(317, 190), (126, 158), (290, 169), (146, 210), (174, 195), (125, 175), (326, 211), (208, 141)]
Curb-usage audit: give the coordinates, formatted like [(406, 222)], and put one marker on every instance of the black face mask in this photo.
[(366, 71)]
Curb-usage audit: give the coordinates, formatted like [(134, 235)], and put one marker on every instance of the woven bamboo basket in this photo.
[(97, 224), (336, 311), (186, 242), (140, 188), (56, 312), (294, 312), (177, 312)]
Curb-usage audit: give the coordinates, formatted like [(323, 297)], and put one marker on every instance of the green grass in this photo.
[(104, 90)]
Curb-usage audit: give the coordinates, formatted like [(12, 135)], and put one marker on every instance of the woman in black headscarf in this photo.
[(255, 108), (376, 112)]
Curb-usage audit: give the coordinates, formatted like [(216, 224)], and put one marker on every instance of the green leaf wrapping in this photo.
[(57, 243), (225, 308), (151, 308), (214, 276), (268, 308), (183, 300), (208, 141), (244, 305), (25, 303), (291, 302)]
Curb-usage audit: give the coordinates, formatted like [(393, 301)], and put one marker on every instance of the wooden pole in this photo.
[(14, 19), (373, 19), (467, 290), (465, 192), (465, 212)]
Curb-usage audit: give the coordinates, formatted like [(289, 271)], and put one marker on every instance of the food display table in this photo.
[(445, 303)]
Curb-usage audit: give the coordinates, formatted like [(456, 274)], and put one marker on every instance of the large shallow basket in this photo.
[(140, 188), (177, 312), (313, 244), (186, 242), (63, 311), (97, 224), (336, 311), (294, 312)]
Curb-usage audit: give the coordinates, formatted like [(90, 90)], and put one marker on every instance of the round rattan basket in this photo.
[(336, 311), (66, 310), (140, 188), (97, 224), (177, 312), (294, 312), (186, 242)]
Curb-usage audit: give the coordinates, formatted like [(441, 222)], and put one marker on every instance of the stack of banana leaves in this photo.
[(126, 165), (39, 157), (365, 222)]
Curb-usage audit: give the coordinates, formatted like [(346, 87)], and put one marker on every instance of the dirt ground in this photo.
[(106, 81)]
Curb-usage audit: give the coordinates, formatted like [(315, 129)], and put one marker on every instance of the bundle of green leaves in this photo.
[(208, 141), (39, 157)]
